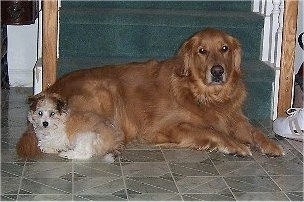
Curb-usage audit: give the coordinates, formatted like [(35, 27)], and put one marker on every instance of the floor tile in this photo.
[(206, 197), (289, 183), (260, 196), (5, 197), (10, 156), (81, 184), (157, 182), (252, 184), (142, 156), (239, 168), (150, 185), (155, 197), (97, 169), (282, 166), (185, 155), (107, 187), (148, 169), (295, 196), (99, 197), (199, 185), (12, 169), (10, 185), (48, 186), (47, 169), (45, 197), (194, 169)]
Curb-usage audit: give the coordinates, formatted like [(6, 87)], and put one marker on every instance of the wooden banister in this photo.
[(288, 55), (49, 42)]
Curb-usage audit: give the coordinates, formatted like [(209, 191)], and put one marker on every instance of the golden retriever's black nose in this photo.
[(45, 124), (217, 71)]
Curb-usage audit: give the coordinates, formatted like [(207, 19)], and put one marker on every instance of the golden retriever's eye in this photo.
[(225, 48), (202, 51), (52, 114), (40, 113)]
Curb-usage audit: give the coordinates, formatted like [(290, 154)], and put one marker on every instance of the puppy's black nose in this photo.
[(45, 124), (217, 71)]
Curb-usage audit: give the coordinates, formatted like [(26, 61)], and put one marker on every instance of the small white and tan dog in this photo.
[(73, 134)]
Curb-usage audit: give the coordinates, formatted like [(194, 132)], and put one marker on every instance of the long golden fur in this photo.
[(192, 100)]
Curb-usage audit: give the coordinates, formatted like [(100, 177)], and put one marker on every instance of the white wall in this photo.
[(22, 53)]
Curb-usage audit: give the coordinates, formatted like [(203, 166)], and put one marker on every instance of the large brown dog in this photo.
[(193, 100)]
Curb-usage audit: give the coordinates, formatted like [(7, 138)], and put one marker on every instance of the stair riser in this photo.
[(258, 104), (193, 5), (85, 40)]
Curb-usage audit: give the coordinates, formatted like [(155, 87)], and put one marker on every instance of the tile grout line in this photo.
[(73, 176), (21, 179), (222, 178), (167, 163), (123, 179)]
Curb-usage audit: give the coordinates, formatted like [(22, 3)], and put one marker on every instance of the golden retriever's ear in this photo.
[(186, 52), (33, 100), (184, 69), (237, 54)]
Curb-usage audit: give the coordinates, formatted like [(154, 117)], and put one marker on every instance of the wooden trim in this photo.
[(49, 42), (288, 55)]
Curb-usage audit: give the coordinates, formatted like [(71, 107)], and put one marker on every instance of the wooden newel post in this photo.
[(288, 55), (49, 42)]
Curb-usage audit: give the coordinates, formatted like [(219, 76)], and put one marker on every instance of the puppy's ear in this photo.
[(61, 104), (33, 100)]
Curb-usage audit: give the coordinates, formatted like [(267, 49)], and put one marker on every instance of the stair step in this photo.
[(185, 5), (258, 78), (148, 32)]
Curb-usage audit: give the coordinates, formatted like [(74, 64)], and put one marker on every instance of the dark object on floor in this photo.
[(4, 66), (298, 89)]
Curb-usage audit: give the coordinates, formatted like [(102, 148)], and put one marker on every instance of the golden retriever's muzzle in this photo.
[(217, 75)]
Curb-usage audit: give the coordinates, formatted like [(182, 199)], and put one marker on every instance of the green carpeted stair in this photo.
[(93, 33)]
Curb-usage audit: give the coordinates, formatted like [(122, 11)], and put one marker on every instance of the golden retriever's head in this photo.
[(212, 55), (211, 63)]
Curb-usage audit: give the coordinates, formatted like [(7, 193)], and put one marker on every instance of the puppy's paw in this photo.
[(109, 158), (71, 154), (48, 150)]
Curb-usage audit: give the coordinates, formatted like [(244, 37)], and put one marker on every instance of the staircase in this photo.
[(94, 33)]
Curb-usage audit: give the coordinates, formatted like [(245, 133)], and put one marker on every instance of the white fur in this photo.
[(82, 147), (53, 138)]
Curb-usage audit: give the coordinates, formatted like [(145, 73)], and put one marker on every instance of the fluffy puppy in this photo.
[(91, 135)]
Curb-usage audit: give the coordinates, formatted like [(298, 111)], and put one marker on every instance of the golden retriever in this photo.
[(193, 100)]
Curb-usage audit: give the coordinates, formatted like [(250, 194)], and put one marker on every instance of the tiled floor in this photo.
[(143, 172)]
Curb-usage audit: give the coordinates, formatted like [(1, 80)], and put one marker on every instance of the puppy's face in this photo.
[(211, 56), (47, 112)]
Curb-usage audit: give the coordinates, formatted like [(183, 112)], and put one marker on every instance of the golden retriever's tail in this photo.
[(27, 146)]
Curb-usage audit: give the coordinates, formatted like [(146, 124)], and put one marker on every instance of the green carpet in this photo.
[(93, 33)]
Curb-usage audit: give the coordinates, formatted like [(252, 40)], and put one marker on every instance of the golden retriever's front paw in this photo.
[(272, 149), (240, 150)]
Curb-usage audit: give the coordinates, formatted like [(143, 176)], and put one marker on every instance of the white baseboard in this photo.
[(20, 78), (38, 77)]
